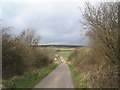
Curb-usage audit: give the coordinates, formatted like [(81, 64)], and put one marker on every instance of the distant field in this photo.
[(61, 51), (64, 49), (65, 54)]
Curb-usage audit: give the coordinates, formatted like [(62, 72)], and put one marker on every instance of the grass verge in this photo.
[(29, 80), (77, 78)]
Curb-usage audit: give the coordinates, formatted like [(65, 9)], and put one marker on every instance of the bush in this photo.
[(19, 56), (99, 63), (12, 56)]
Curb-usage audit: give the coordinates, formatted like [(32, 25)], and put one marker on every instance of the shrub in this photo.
[(19, 56), (12, 56), (99, 63)]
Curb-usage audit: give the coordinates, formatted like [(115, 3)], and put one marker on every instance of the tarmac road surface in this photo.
[(59, 78)]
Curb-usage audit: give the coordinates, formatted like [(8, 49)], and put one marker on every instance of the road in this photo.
[(59, 78)]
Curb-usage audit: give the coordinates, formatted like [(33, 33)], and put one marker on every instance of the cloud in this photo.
[(56, 22)]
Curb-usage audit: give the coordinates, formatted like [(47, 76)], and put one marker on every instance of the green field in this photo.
[(65, 54), (62, 49)]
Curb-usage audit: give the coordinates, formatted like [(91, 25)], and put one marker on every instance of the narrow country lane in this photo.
[(59, 78)]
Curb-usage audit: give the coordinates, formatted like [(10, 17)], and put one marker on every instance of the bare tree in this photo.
[(29, 36), (102, 23)]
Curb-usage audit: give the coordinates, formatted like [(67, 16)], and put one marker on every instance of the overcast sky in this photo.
[(57, 22)]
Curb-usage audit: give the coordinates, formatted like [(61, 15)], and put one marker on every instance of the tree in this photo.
[(103, 28), (29, 37)]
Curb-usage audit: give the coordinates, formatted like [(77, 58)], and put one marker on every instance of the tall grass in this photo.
[(77, 78)]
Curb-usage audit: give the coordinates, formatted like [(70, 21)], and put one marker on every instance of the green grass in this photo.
[(65, 54), (77, 78), (29, 80)]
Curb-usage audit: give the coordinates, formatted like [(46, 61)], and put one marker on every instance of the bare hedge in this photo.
[(18, 54)]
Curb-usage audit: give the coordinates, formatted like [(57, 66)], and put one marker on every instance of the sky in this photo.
[(56, 21)]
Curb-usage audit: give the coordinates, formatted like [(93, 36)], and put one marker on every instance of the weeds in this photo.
[(77, 78)]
